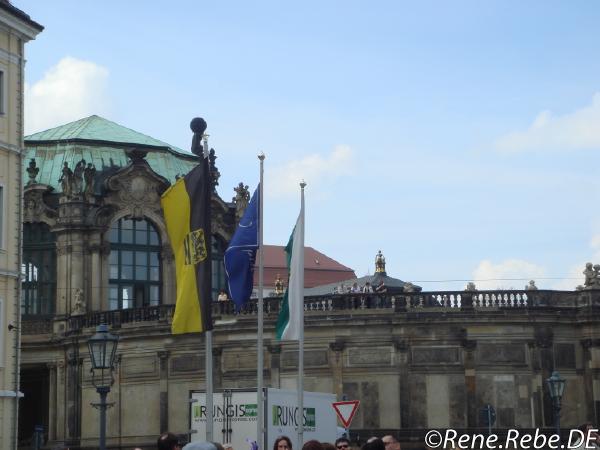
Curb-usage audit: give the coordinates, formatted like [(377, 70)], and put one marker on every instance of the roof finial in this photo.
[(379, 263)]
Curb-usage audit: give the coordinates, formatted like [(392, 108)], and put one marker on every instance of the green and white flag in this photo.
[(291, 317)]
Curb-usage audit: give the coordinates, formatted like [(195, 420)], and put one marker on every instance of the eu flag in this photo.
[(240, 256)]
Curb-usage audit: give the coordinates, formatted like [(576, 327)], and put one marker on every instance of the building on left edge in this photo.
[(16, 28)]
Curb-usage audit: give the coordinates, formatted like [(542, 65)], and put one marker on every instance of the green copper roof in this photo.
[(102, 143), (96, 128)]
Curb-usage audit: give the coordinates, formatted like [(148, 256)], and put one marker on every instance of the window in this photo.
[(38, 270), (134, 265)]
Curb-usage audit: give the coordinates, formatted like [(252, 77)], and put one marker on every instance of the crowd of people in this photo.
[(169, 441)]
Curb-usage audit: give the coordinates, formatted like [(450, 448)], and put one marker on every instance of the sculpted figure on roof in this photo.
[(77, 185), (66, 180), (88, 174), (241, 199)]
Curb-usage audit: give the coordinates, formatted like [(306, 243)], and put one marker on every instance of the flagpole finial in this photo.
[(303, 184), (198, 126), (261, 156)]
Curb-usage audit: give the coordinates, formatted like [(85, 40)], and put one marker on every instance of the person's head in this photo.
[(327, 446), (313, 444), (199, 446), (282, 443), (374, 444), (390, 442), (218, 445), (342, 443), (168, 441)]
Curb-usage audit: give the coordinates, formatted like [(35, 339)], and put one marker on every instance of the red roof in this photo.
[(319, 269)]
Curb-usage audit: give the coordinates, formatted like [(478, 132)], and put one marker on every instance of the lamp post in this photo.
[(102, 347), (556, 387)]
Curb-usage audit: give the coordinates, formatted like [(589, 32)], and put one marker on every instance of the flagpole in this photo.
[(208, 371), (259, 342), (301, 331)]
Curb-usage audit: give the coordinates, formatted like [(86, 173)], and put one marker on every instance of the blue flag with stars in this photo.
[(240, 256)]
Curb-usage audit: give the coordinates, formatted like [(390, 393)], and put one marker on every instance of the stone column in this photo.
[(61, 394), (52, 401), (275, 352), (536, 386), (544, 342), (73, 393), (336, 362), (169, 293), (401, 347), (95, 293), (62, 281), (164, 390), (469, 347), (591, 361)]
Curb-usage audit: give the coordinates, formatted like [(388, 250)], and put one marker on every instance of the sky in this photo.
[(462, 139)]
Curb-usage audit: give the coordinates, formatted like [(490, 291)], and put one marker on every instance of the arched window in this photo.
[(134, 265), (219, 280), (38, 270)]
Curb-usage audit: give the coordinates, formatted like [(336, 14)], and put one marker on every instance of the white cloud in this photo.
[(577, 130), (508, 274), (69, 91), (317, 170)]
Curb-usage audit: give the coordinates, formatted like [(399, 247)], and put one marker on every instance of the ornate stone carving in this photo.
[(32, 171), (34, 208), (471, 287), (379, 263), (79, 307), (531, 286), (337, 346), (66, 180), (592, 276), (278, 285), (214, 172), (241, 200), (408, 287), (89, 175)]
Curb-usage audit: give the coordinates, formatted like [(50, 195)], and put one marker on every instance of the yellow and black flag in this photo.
[(186, 206)]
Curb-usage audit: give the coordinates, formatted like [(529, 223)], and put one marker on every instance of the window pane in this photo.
[(114, 271), (141, 258), (127, 272), (113, 292), (127, 257), (114, 257), (141, 237), (126, 224), (154, 274), (141, 225), (127, 236), (154, 295), (154, 262), (153, 237), (141, 272), (127, 296)]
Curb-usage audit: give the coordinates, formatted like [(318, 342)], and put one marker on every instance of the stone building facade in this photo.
[(96, 251), (16, 29)]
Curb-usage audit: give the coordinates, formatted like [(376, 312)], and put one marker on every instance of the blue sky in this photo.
[(460, 138)]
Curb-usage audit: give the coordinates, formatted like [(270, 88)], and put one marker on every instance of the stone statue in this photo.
[(408, 287), (591, 276), (241, 199), (471, 287), (78, 178), (198, 126), (32, 171), (66, 180), (531, 286), (89, 174), (78, 303), (278, 285), (379, 262)]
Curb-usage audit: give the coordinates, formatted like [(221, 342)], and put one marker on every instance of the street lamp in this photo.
[(556, 386), (102, 347)]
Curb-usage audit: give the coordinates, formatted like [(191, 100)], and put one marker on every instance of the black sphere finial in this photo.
[(198, 125)]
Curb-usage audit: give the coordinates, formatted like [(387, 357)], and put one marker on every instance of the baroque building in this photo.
[(16, 29), (96, 251)]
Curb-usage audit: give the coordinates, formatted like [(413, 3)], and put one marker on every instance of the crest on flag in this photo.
[(195, 247)]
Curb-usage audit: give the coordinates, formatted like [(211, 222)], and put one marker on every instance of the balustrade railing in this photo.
[(448, 301)]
